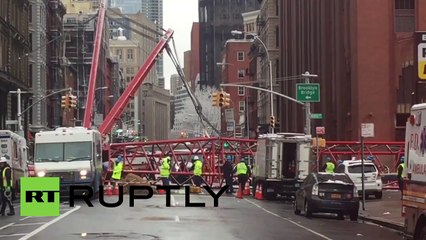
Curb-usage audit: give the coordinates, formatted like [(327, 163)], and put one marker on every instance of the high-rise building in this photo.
[(14, 47), (217, 19), (175, 82), (153, 10)]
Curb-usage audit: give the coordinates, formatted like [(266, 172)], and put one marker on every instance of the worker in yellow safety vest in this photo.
[(118, 169), (198, 170), (329, 166), (6, 187), (243, 172), (401, 174), (165, 170)]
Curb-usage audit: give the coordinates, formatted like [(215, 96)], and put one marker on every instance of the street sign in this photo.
[(11, 122), (229, 115), (230, 126), (308, 92), (316, 115), (421, 59), (367, 130), (320, 130)]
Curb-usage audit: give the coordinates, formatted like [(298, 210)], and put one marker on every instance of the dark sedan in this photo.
[(327, 193)]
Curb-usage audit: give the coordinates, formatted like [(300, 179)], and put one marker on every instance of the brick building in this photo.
[(362, 52)]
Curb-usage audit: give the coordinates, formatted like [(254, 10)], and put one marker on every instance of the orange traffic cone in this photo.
[(247, 189), (116, 191), (239, 193), (108, 189), (259, 192)]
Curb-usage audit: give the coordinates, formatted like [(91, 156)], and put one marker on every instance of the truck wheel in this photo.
[(378, 195)]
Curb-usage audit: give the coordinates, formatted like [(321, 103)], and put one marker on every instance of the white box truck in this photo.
[(282, 162)]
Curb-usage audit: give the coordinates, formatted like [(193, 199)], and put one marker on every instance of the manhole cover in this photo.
[(117, 236)]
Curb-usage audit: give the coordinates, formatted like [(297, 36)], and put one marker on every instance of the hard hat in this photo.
[(196, 158), (402, 159), (328, 159), (3, 159)]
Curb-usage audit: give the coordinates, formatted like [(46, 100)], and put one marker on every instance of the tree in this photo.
[(188, 120)]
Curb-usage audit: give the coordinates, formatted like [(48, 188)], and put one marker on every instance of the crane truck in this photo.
[(282, 162)]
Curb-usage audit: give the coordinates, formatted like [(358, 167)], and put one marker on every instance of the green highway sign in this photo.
[(316, 115), (308, 92)]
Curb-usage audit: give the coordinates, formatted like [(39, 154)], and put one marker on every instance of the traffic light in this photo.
[(224, 99), (65, 103), (272, 122), (215, 99), (227, 100), (73, 101)]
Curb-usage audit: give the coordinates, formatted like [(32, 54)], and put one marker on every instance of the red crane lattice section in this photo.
[(386, 154), (142, 158)]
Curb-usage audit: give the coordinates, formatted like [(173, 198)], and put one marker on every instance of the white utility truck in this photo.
[(14, 148), (73, 154), (282, 162)]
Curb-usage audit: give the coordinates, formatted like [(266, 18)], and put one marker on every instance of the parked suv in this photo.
[(372, 179)]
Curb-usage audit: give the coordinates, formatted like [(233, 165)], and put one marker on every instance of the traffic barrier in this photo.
[(247, 189), (259, 192)]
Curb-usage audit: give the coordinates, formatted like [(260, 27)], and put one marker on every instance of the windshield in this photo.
[(57, 152), (357, 169)]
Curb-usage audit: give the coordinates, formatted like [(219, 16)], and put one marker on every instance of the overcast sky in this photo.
[(179, 16)]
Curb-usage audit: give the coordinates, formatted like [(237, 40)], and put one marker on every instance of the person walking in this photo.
[(6, 182), (198, 171), (243, 173), (165, 170), (228, 174), (401, 174)]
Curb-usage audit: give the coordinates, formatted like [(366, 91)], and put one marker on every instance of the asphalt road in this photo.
[(151, 219)]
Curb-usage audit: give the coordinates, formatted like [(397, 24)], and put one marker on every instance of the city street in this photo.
[(151, 219)]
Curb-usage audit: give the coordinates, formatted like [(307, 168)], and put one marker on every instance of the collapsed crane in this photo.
[(83, 151)]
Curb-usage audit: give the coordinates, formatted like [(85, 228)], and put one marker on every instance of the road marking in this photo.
[(44, 226), (13, 235), (22, 219), (5, 226), (290, 221), (177, 219), (27, 224)]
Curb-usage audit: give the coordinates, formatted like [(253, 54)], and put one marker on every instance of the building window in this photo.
[(130, 70), (241, 91), (242, 106), (119, 53), (129, 53), (241, 73), (240, 56)]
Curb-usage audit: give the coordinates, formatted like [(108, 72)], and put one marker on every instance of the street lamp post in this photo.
[(236, 32)]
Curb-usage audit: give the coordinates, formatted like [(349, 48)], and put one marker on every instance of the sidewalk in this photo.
[(385, 212)]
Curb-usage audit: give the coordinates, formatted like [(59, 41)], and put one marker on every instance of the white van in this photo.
[(373, 181)]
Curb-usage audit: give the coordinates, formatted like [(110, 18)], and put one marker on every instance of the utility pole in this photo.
[(307, 76), (20, 128)]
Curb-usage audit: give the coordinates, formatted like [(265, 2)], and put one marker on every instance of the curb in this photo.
[(383, 223)]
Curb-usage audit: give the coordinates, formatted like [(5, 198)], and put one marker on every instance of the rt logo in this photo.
[(40, 197)]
